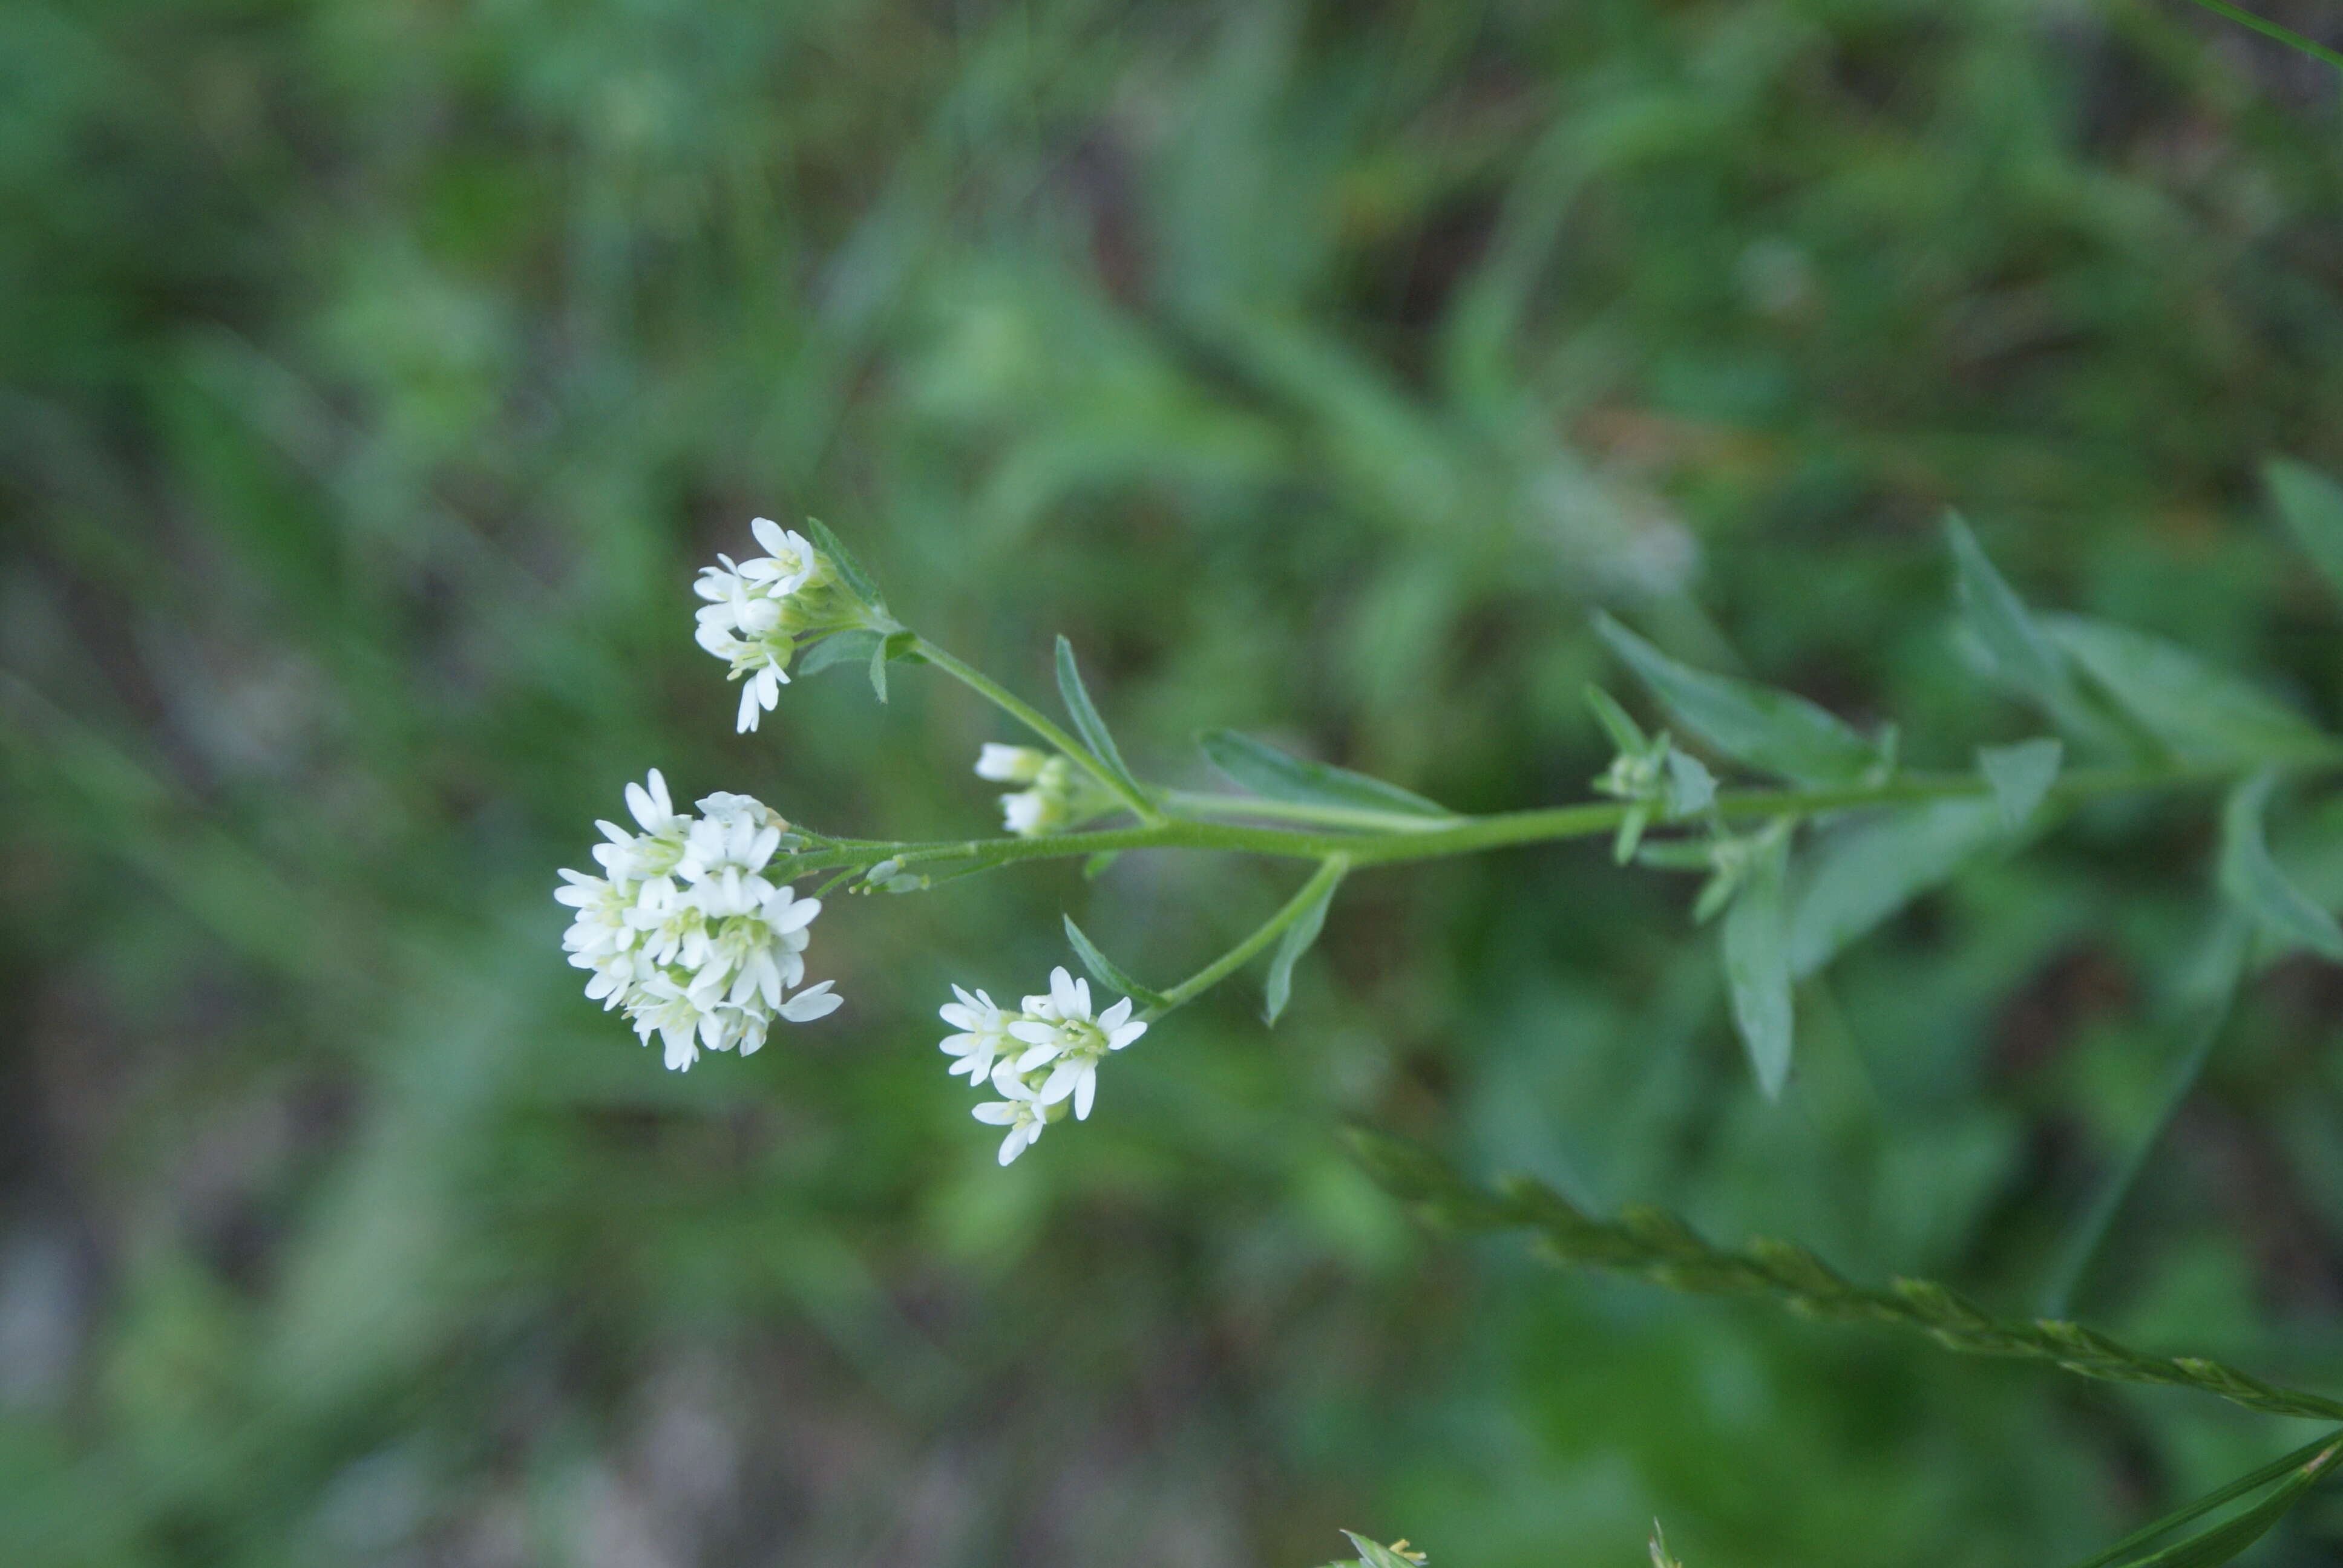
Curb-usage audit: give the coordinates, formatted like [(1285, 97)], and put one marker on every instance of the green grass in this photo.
[(372, 379)]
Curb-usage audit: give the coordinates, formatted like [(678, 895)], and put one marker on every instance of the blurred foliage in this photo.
[(373, 376)]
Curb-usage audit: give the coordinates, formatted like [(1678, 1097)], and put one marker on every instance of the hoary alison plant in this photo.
[(694, 927)]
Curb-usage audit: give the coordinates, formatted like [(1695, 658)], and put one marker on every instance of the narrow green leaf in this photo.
[(838, 648), (1773, 732), (2224, 1542), (1087, 722), (1106, 971), (2021, 775), (1289, 948), (1625, 734), (2250, 878), (2311, 506), (1096, 865), (1262, 768), (856, 581), (2203, 714), (1757, 946), (2253, 1481), (2021, 654), (878, 669), (1866, 871)]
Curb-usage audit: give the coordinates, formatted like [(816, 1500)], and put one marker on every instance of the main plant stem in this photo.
[(1469, 835)]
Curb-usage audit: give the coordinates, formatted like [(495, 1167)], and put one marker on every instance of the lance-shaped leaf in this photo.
[(2021, 775), (1297, 940), (1265, 771), (2226, 1542), (2250, 878), (2022, 653), (1087, 722), (856, 580), (1866, 871), (2203, 714), (2309, 1454), (1756, 945), (2311, 506), (1107, 972), (840, 648), (1773, 732)]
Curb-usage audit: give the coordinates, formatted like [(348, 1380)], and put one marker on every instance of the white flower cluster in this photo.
[(1055, 798), (757, 608), (1040, 1059), (685, 932)]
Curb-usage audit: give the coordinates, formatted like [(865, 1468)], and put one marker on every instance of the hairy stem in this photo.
[(1033, 718), (1329, 873)]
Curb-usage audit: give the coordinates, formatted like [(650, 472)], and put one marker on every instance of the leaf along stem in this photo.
[(2286, 35)]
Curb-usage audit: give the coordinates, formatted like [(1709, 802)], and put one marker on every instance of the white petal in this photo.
[(1111, 1018), (1085, 1090), (1012, 1146), (1061, 1082), (748, 709), (999, 1112), (814, 1001), (1071, 996), (1032, 1032), (797, 917), (770, 534), (1124, 1036)]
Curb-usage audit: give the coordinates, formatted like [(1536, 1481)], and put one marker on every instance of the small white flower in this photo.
[(1043, 1060), (1019, 1110), (757, 608), (1010, 764), (1060, 1032), (1058, 797), (983, 1037), (687, 933), (1027, 813)]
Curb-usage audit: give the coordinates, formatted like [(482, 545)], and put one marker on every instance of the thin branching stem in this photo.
[(1033, 718), (1328, 873)]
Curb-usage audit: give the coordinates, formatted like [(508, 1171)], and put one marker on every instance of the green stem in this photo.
[(1328, 873), (1033, 718), (1468, 835), (1189, 803)]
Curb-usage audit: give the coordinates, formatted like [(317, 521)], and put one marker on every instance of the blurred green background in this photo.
[(373, 375)]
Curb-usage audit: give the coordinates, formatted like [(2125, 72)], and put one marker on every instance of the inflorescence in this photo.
[(686, 931)]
